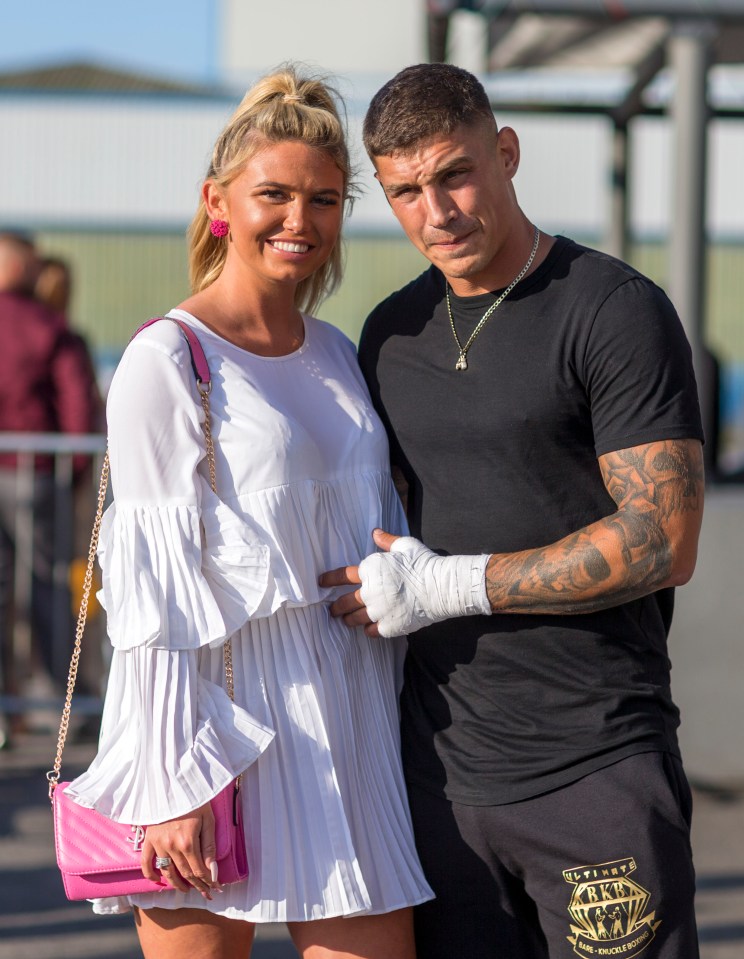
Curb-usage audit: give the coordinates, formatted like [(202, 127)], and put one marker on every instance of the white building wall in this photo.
[(104, 161), (138, 163)]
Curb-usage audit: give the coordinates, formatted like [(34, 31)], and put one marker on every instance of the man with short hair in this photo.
[(541, 406)]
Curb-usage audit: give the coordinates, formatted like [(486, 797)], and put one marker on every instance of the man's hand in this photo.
[(351, 606), (407, 586)]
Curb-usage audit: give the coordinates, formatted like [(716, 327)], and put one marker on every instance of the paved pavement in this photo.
[(37, 922)]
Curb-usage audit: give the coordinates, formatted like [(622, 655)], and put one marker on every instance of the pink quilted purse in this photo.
[(97, 857)]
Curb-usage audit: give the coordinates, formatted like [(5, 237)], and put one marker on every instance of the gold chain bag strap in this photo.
[(99, 858)]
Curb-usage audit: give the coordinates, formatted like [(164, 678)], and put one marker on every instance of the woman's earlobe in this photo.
[(213, 201)]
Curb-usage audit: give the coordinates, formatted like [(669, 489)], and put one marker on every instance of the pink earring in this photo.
[(219, 228)]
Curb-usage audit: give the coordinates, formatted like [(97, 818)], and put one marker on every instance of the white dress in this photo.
[(302, 480)]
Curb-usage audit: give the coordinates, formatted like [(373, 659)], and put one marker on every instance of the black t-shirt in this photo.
[(584, 357)]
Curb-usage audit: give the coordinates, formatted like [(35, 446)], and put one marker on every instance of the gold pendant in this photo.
[(462, 362)]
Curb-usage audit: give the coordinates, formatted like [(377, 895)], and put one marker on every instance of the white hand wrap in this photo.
[(411, 587)]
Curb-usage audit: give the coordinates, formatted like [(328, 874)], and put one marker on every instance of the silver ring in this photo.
[(162, 862)]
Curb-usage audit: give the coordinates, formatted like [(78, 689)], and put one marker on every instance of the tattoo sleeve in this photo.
[(648, 543)]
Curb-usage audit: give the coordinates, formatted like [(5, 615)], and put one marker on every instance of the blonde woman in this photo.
[(302, 479)]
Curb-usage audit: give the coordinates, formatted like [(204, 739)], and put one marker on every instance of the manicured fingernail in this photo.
[(214, 870)]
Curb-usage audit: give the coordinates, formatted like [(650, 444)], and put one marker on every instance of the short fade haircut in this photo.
[(423, 101)]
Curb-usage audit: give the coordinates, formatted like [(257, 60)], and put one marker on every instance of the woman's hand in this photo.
[(189, 843), (351, 607)]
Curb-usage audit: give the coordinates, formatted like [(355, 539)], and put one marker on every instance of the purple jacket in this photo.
[(48, 381)]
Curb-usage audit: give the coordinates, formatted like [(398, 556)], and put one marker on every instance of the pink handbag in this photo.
[(98, 857)]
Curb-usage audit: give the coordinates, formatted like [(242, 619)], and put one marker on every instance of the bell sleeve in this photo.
[(170, 739), (181, 571)]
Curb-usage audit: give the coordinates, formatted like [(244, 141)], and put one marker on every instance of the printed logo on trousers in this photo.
[(608, 910)]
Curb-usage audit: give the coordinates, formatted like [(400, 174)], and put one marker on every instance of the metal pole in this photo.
[(689, 54), (20, 667), (621, 116), (62, 625), (618, 233)]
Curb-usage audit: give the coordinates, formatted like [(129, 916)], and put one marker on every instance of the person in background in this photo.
[(49, 391), (53, 284), (302, 475), (54, 287), (541, 406)]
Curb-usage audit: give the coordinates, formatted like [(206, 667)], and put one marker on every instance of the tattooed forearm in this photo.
[(650, 542)]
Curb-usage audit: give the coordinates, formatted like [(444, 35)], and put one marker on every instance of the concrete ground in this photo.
[(37, 922)]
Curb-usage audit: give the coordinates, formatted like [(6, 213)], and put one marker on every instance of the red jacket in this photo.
[(48, 383)]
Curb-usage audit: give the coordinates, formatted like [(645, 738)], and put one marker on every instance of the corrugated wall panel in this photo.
[(106, 160), (126, 162)]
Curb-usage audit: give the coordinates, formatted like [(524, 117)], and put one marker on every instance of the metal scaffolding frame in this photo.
[(687, 49)]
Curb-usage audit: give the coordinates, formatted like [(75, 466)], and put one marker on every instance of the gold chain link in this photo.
[(204, 392), (208, 440), (462, 359), (54, 773), (209, 443)]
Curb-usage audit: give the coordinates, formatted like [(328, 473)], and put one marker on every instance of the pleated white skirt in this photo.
[(328, 830)]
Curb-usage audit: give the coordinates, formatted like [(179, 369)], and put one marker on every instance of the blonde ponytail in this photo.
[(281, 106)]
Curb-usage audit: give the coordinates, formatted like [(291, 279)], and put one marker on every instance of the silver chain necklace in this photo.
[(462, 359)]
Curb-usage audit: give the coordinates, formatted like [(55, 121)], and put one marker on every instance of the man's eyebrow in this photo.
[(396, 187), (452, 164)]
